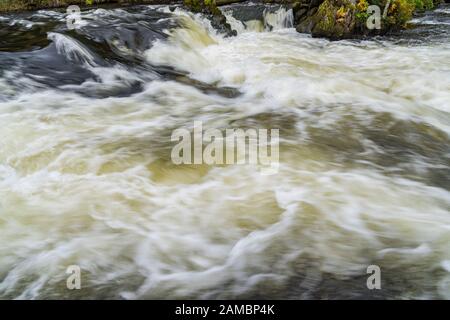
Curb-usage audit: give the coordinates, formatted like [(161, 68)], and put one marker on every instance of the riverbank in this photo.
[(332, 19), (27, 5)]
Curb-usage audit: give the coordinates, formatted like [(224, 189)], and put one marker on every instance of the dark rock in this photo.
[(342, 19), (335, 19), (246, 13), (219, 22), (302, 12), (210, 10), (315, 3), (312, 11)]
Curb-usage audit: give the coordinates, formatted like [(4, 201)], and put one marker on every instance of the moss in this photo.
[(422, 5), (341, 13), (399, 13), (194, 5), (205, 6), (362, 5), (334, 19), (338, 19), (326, 13)]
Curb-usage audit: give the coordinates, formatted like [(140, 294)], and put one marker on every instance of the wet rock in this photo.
[(244, 12), (219, 22), (212, 12), (302, 12), (334, 19), (247, 13), (342, 19)]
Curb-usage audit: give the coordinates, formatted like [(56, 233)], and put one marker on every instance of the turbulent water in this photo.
[(86, 177)]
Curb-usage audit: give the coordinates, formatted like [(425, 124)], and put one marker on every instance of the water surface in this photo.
[(86, 176)]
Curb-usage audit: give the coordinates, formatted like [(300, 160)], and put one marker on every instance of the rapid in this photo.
[(86, 177)]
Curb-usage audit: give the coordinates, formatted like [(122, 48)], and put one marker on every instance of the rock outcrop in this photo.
[(212, 12), (330, 18), (341, 19)]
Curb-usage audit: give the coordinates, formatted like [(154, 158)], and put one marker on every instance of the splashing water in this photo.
[(86, 177)]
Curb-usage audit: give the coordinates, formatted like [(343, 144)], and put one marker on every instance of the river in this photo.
[(86, 177)]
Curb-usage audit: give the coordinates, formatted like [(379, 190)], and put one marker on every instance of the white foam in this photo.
[(84, 181), (72, 49)]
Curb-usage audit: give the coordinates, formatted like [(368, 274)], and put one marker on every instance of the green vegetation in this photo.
[(421, 5), (334, 19), (338, 19), (206, 6), (399, 11), (361, 11)]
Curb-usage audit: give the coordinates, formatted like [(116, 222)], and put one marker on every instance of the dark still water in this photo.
[(86, 176)]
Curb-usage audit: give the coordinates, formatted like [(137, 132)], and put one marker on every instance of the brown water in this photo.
[(86, 176)]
